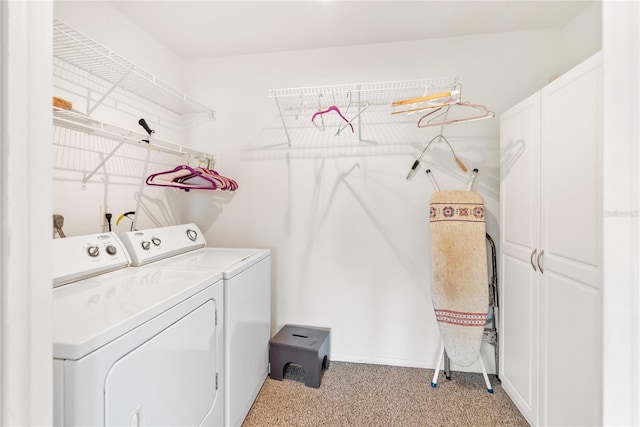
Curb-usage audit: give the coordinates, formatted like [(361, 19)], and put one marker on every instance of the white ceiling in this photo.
[(199, 29)]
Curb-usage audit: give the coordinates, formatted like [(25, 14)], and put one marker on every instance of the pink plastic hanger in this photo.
[(183, 177), (486, 114), (222, 181), (332, 108)]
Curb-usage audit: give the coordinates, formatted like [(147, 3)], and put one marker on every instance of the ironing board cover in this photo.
[(459, 288)]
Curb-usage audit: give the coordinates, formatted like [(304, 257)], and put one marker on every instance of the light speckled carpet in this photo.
[(354, 394)]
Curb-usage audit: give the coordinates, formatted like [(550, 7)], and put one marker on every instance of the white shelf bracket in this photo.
[(88, 176), (143, 181), (284, 125), (107, 93)]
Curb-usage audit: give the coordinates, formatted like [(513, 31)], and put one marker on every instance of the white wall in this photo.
[(349, 234), (581, 37)]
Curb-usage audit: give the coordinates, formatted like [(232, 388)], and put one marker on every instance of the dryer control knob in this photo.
[(111, 250), (192, 235), (146, 245), (156, 241), (93, 251)]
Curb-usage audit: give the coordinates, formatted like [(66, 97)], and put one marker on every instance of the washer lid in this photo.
[(76, 258), (230, 261), (93, 312)]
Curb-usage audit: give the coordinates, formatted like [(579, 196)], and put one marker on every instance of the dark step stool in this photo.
[(303, 345)]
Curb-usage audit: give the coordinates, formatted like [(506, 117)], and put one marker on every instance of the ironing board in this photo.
[(459, 268)]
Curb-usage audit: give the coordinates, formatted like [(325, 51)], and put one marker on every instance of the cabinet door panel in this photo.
[(520, 231), (571, 228), (519, 333), (571, 172), (520, 173), (570, 354)]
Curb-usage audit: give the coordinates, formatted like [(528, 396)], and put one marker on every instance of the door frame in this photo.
[(621, 228), (25, 212)]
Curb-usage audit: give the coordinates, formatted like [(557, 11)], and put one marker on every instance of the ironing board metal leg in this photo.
[(434, 381), (485, 376), (447, 366)]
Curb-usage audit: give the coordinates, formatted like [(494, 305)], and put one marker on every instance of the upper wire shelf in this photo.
[(298, 105), (75, 48), (379, 93)]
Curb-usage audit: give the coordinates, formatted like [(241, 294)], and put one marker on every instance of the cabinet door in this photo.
[(571, 224), (519, 207)]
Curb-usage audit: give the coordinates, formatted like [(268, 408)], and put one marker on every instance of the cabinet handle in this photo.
[(538, 261), (135, 417), (531, 259)]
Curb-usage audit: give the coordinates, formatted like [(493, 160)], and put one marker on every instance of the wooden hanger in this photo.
[(447, 98)]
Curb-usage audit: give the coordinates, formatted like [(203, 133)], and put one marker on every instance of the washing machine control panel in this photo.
[(79, 257), (155, 244)]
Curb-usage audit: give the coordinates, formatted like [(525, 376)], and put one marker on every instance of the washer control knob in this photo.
[(146, 245), (93, 251), (111, 250), (156, 241), (192, 235)]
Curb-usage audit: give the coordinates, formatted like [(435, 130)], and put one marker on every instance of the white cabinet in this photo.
[(520, 236), (551, 250)]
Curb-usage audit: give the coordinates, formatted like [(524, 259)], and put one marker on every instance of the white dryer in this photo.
[(134, 346), (247, 299)]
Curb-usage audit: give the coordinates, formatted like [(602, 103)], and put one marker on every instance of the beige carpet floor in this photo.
[(354, 394)]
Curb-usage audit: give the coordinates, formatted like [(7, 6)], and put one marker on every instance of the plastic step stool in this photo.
[(305, 346)]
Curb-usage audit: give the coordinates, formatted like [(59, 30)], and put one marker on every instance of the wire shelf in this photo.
[(380, 93), (297, 105), (75, 48), (83, 123)]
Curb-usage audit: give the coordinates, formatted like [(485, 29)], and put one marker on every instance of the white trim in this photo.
[(25, 217), (621, 328)]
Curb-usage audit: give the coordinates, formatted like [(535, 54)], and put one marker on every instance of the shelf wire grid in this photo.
[(75, 48)]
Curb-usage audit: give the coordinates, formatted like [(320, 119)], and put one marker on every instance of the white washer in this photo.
[(134, 346), (247, 314)]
